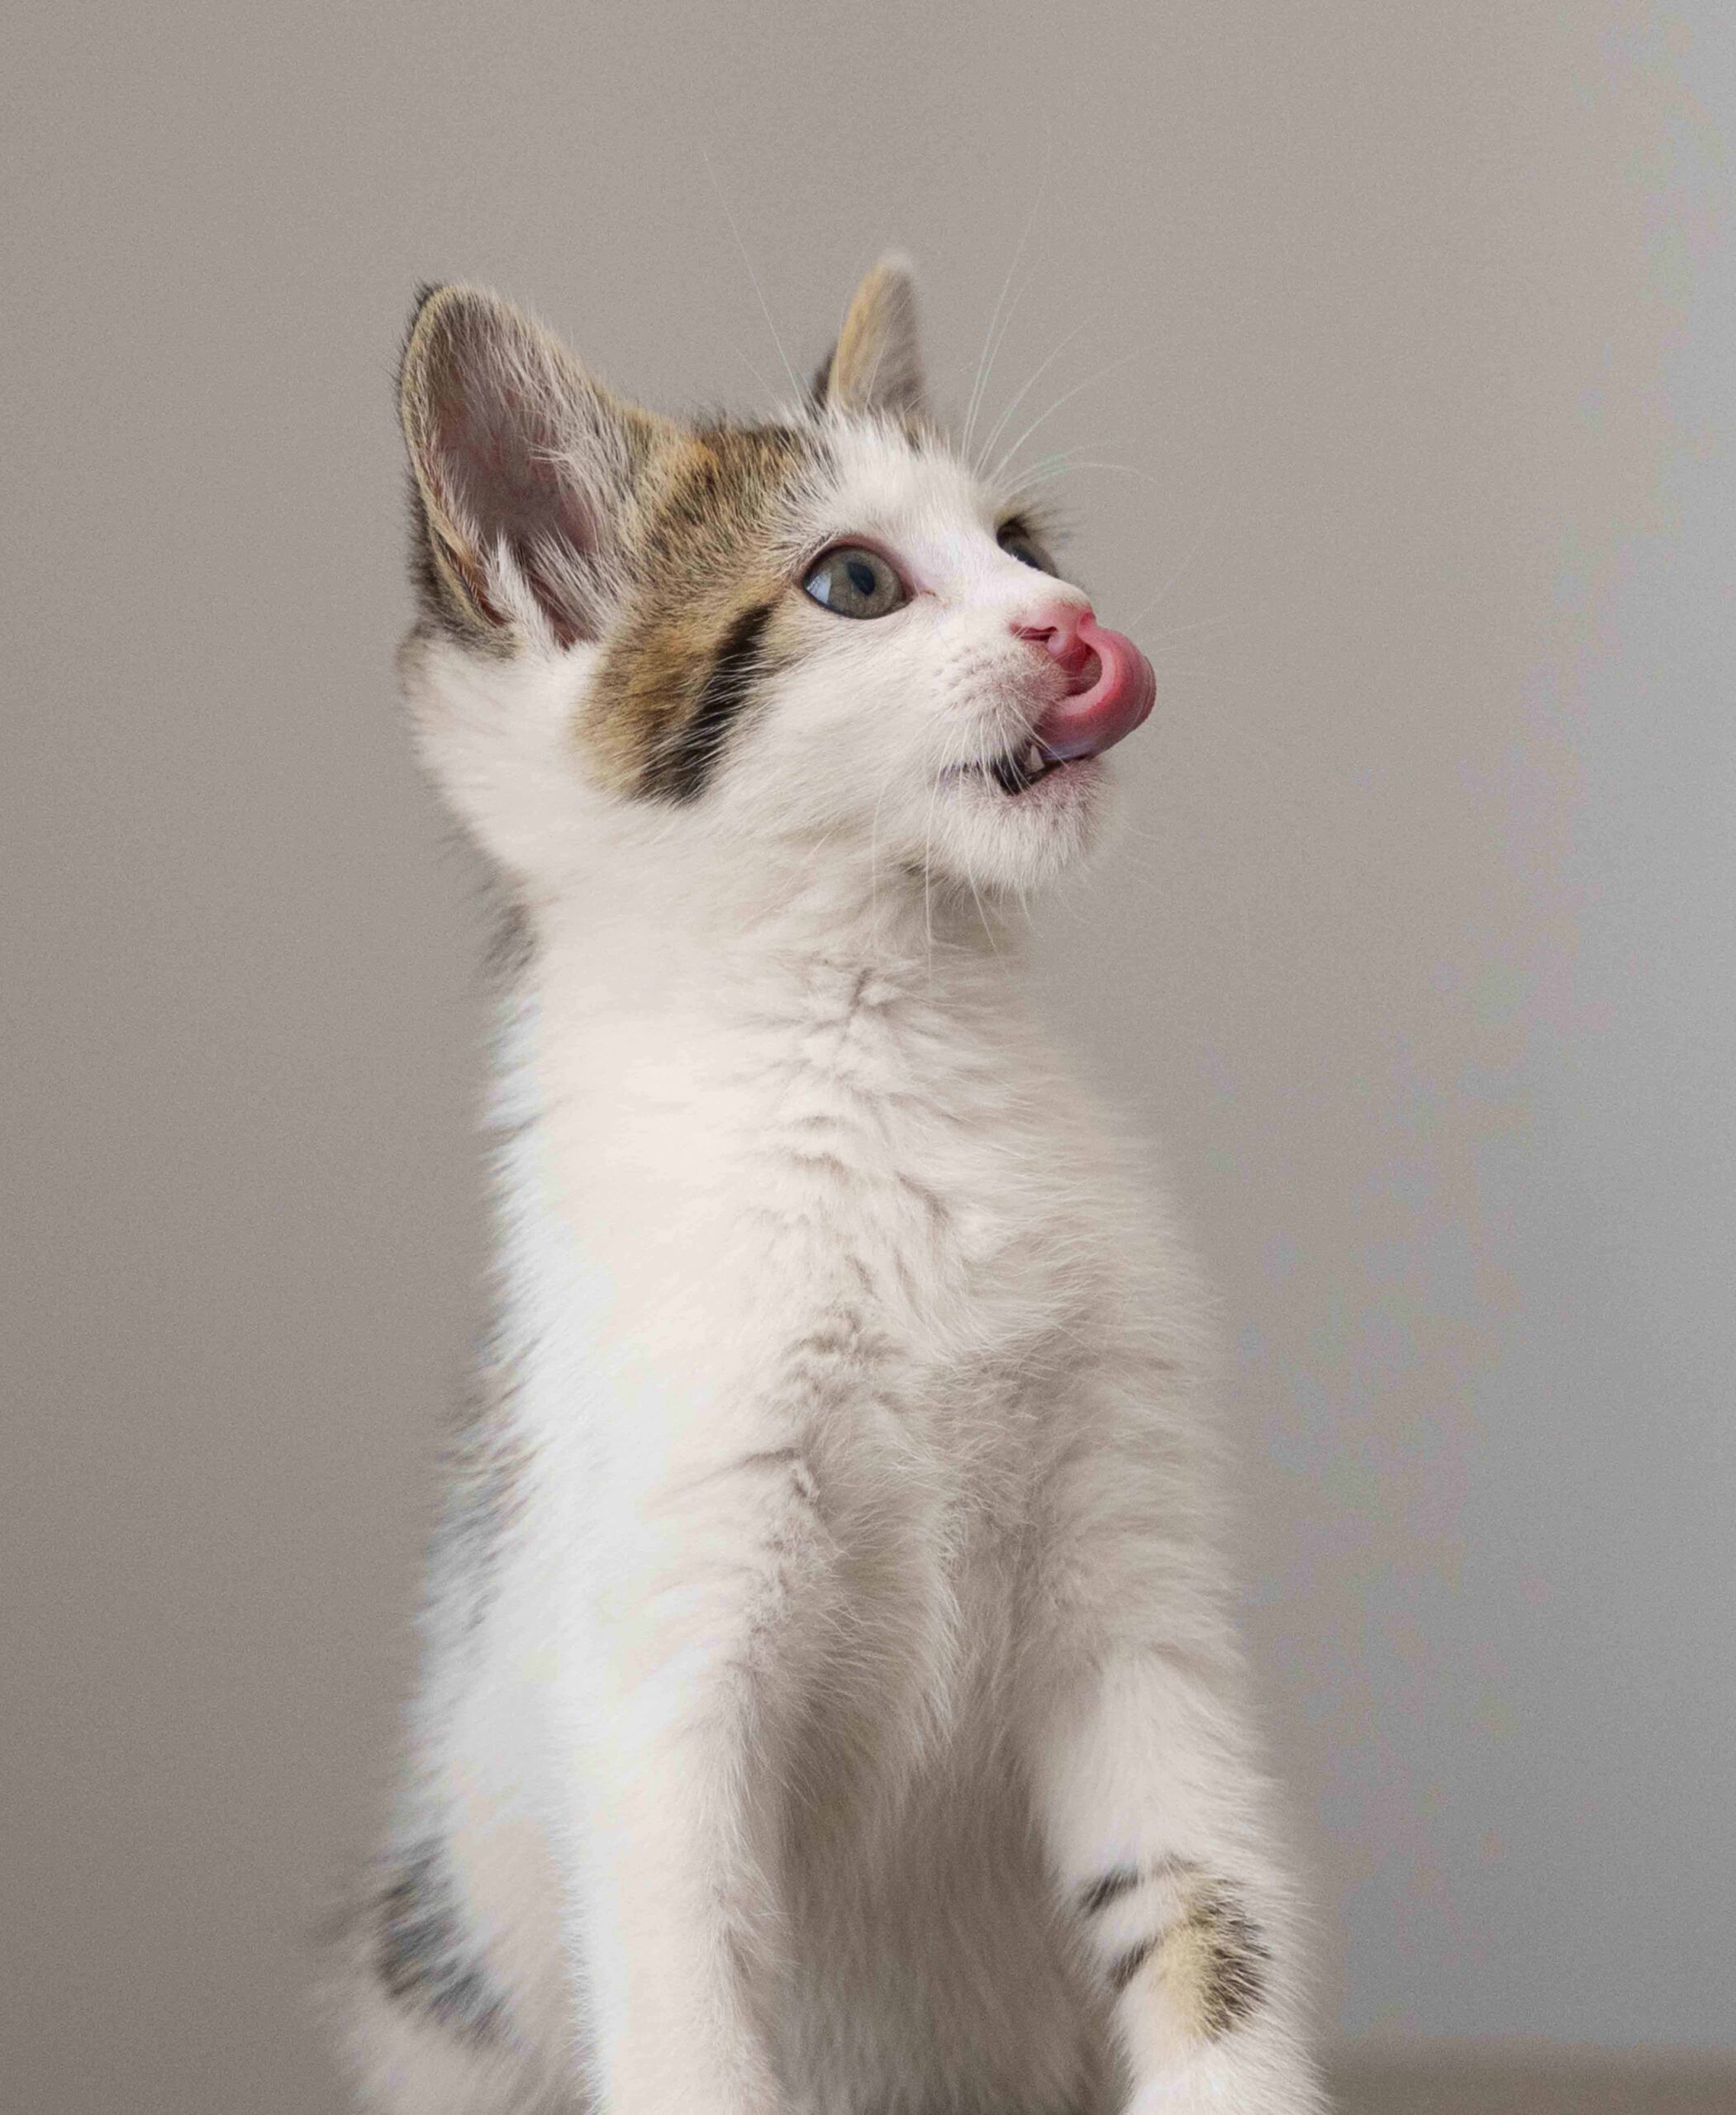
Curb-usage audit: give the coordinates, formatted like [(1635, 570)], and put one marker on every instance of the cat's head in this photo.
[(824, 642)]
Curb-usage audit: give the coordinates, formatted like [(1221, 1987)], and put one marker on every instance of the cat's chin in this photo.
[(1019, 830)]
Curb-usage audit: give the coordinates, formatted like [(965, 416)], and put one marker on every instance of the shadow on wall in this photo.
[(1530, 2078)]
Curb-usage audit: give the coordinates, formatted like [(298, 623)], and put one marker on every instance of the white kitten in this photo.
[(829, 1703)]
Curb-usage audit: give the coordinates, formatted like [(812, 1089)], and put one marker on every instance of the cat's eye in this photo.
[(1017, 541), (854, 581)]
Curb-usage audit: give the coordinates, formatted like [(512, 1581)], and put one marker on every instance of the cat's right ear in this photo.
[(525, 467), (877, 363)]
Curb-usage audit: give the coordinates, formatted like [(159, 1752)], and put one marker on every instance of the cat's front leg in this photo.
[(1153, 1815), (681, 1688), (1147, 1792)]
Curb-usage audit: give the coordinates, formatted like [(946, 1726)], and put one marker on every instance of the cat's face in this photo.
[(827, 639)]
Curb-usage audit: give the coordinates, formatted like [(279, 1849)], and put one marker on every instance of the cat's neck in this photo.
[(657, 1065), (760, 950)]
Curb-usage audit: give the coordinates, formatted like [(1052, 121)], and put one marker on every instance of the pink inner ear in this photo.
[(499, 459)]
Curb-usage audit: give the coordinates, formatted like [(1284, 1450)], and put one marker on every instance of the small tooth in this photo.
[(1034, 758)]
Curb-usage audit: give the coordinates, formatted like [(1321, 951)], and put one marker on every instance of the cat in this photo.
[(829, 1703)]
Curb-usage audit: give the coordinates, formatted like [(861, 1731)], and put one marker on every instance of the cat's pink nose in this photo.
[(1055, 629), (1110, 686)]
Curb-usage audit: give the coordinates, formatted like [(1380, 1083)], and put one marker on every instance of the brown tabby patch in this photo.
[(707, 620)]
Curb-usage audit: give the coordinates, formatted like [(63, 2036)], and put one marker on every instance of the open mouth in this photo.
[(1015, 770), (1018, 770)]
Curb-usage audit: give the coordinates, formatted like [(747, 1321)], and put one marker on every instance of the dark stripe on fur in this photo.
[(1112, 1886), (420, 1956), (1123, 1969), (680, 771)]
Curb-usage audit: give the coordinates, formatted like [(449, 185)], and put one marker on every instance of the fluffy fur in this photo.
[(829, 1703)]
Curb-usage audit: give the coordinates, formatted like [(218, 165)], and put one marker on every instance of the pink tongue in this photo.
[(1095, 720)]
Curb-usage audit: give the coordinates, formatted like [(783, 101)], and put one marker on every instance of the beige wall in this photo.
[(1419, 954)]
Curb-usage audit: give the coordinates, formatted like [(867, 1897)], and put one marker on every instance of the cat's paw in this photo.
[(1246, 2081)]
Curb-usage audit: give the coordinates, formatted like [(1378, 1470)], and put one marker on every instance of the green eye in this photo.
[(1017, 541), (854, 583)]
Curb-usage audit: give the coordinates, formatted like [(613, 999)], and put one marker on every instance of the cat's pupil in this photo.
[(862, 576)]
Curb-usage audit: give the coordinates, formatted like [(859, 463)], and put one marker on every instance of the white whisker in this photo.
[(1005, 418), (760, 291), (1188, 557), (992, 342), (1002, 468)]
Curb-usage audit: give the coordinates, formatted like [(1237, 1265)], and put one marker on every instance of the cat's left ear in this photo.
[(525, 469), (877, 363)]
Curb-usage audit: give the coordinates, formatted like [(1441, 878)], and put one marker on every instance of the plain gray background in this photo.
[(1404, 355)]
